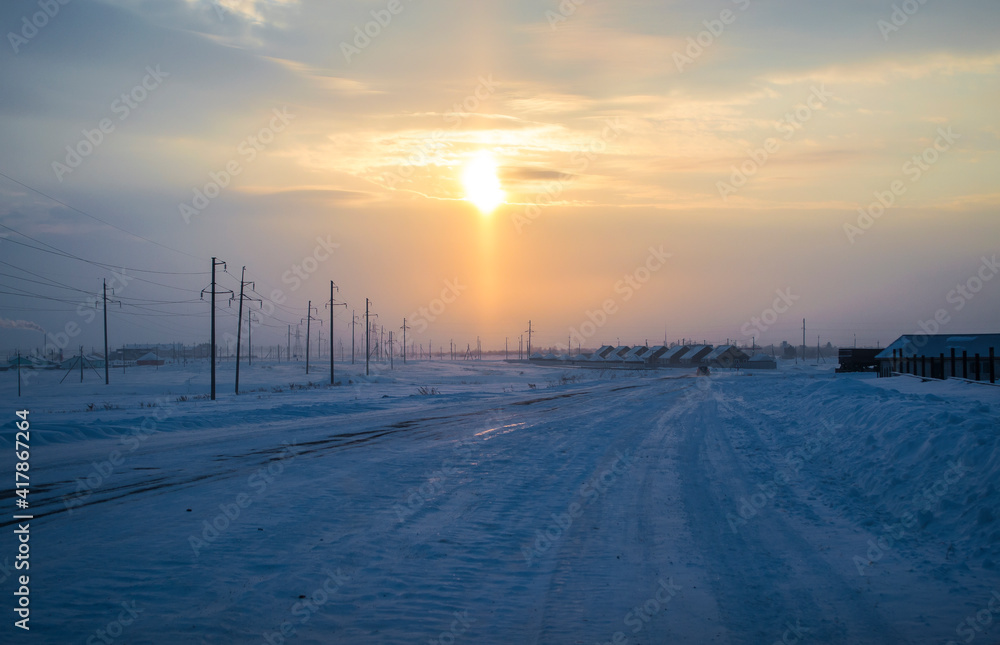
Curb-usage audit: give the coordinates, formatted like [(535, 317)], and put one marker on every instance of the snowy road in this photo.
[(635, 510)]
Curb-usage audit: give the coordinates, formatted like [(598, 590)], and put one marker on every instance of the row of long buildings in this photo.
[(642, 357)]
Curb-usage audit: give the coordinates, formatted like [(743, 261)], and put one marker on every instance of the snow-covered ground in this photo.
[(452, 502)]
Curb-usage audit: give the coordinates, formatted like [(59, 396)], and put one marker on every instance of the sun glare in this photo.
[(482, 186)]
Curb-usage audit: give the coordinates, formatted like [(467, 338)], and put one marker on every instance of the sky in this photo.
[(664, 170)]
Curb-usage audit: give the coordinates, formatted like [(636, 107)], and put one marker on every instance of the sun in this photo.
[(482, 186)]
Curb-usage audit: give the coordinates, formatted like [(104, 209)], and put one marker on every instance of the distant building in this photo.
[(971, 356), (761, 362), (149, 359), (603, 352), (726, 356), (636, 352), (858, 359), (672, 357), (696, 355)]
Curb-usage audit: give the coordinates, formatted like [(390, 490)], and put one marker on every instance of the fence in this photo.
[(975, 367)]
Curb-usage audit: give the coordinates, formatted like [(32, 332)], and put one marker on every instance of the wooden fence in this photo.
[(942, 366)]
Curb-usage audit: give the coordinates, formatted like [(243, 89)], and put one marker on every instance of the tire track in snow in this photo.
[(768, 575)]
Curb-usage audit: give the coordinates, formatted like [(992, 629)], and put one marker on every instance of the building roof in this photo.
[(674, 352), (603, 351), (637, 351), (148, 356), (936, 344), (621, 350), (656, 351), (723, 350)]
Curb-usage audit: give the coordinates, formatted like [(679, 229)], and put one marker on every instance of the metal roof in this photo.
[(936, 344)]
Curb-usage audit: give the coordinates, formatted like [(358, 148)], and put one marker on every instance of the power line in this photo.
[(104, 265), (98, 219)]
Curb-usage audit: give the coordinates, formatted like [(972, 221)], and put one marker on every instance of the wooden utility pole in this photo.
[(214, 290), (309, 318), (803, 340), (404, 340), (333, 304), (239, 321), (239, 329), (249, 337), (529, 340), (107, 377)]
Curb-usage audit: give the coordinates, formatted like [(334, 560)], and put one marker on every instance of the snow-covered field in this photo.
[(506, 504)]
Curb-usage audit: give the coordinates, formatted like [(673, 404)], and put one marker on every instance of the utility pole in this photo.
[(333, 304), (107, 368), (391, 366), (529, 340), (354, 317), (250, 337), (215, 263), (404, 340), (309, 318), (239, 322), (368, 334), (803, 340), (107, 377)]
